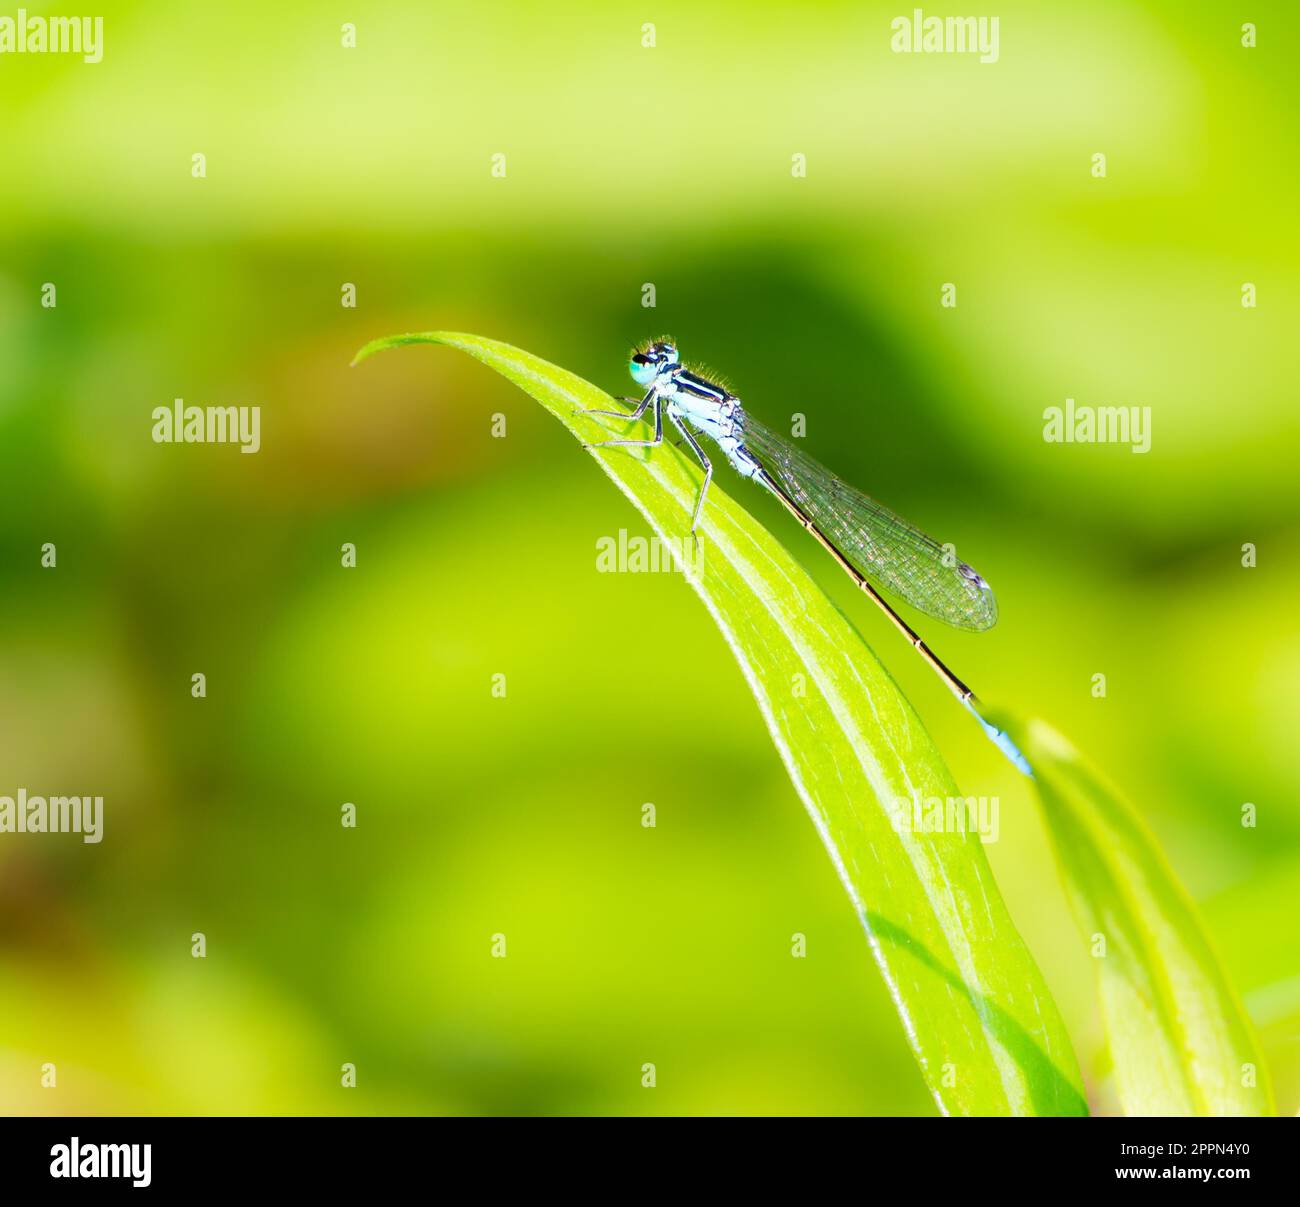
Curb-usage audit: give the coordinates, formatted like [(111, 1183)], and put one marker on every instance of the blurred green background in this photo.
[(625, 166)]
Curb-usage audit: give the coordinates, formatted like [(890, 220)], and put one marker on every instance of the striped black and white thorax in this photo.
[(710, 409)]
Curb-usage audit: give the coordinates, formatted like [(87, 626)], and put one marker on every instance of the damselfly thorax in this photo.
[(710, 409)]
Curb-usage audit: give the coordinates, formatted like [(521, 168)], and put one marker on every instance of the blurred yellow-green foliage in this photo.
[(626, 165)]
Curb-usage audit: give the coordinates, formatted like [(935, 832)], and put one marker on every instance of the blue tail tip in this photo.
[(1003, 741)]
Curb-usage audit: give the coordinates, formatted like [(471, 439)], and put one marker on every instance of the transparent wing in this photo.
[(882, 546)]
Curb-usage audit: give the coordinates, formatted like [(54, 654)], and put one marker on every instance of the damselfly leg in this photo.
[(659, 426), (704, 461), (641, 404)]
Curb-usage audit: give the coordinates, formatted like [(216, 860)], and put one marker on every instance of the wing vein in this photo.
[(881, 545)]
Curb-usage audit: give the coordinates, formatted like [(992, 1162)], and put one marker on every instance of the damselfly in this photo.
[(869, 541)]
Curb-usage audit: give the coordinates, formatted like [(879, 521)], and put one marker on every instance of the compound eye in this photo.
[(643, 372)]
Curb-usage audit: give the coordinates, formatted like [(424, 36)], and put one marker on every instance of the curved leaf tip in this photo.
[(1180, 1039)]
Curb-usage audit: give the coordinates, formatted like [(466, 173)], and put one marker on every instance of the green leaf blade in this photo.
[(973, 1003), (1180, 1040)]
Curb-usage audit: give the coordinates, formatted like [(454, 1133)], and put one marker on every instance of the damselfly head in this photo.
[(647, 362)]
